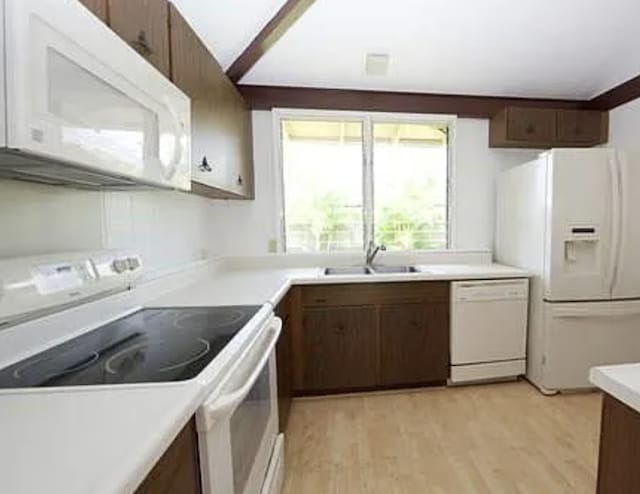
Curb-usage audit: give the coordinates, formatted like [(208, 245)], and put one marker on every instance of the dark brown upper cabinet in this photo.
[(222, 147), (541, 128), (144, 24), (98, 7), (582, 127)]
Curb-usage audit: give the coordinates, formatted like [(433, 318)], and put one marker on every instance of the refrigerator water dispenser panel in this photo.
[(582, 249)]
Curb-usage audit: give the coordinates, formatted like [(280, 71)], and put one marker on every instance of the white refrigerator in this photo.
[(572, 218)]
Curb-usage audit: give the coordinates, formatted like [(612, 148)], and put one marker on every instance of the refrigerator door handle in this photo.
[(616, 202)]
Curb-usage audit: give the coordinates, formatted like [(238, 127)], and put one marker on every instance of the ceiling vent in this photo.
[(377, 64)]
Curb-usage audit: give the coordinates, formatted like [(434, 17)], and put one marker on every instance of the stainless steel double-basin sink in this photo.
[(369, 270)]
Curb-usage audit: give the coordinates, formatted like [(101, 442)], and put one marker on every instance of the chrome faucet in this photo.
[(372, 252)]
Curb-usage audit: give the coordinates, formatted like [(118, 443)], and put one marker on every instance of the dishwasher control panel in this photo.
[(490, 290)]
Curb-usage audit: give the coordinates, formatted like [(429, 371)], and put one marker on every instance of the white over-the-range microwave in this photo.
[(78, 106)]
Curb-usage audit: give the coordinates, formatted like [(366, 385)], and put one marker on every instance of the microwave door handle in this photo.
[(221, 405)]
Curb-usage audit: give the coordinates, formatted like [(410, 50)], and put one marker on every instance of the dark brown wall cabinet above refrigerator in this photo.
[(541, 128)]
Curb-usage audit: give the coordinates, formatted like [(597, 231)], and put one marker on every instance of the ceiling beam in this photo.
[(269, 97), (288, 14), (619, 95)]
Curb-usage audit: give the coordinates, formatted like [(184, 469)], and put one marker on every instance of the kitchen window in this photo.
[(351, 179)]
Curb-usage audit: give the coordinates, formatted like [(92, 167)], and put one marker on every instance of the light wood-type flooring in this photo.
[(494, 438)]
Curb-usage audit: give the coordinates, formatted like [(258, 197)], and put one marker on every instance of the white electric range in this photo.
[(67, 322)]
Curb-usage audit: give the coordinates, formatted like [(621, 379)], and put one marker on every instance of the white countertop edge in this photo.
[(620, 381)]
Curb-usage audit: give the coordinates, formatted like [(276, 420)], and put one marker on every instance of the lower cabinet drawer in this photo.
[(372, 294)]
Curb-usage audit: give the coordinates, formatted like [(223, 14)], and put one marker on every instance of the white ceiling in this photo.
[(535, 48), (228, 26)]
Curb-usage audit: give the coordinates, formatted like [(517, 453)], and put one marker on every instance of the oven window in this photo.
[(248, 425)]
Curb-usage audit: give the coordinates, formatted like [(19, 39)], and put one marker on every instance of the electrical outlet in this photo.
[(272, 246)]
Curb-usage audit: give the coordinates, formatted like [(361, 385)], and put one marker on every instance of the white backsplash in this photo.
[(168, 228)]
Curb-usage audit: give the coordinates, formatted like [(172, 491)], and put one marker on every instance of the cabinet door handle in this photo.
[(338, 329), (204, 166), (239, 181), (578, 130), (530, 129), (141, 45)]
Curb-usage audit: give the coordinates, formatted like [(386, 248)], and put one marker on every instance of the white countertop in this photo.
[(257, 286), (98, 442), (107, 440), (620, 381)]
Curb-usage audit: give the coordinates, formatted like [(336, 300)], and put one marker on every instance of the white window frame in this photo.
[(367, 119)]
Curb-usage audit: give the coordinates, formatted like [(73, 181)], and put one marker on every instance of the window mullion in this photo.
[(367, 181)]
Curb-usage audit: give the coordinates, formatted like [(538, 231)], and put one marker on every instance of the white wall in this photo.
[(247, 228), (168, 228), (172, 228), (476, 167), (624, 126)]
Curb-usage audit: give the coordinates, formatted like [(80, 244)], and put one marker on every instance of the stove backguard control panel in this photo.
[(33, 285)]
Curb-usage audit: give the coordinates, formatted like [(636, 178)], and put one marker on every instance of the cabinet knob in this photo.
[(141, 45), (530, 129), (204, 166), (578, 130), (338, 329)]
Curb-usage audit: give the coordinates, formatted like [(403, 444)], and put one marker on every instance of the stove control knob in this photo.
[(119, 265), (133, 263)]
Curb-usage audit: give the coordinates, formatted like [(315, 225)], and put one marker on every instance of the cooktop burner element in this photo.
[(151, 345)]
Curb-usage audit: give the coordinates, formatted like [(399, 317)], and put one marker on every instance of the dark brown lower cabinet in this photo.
[(370, 336), (284, 362), (618, 471), (414, 344), (340, 348), (178, 470)]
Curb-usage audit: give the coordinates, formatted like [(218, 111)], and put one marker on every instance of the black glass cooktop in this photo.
[(151, 345)]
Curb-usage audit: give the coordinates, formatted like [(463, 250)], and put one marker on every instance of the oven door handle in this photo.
[(219, 406)]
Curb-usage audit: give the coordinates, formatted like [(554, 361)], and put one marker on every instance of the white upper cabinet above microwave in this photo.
[(82, 107)]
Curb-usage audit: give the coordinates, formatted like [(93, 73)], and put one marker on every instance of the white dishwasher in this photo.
[(488, 329)]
